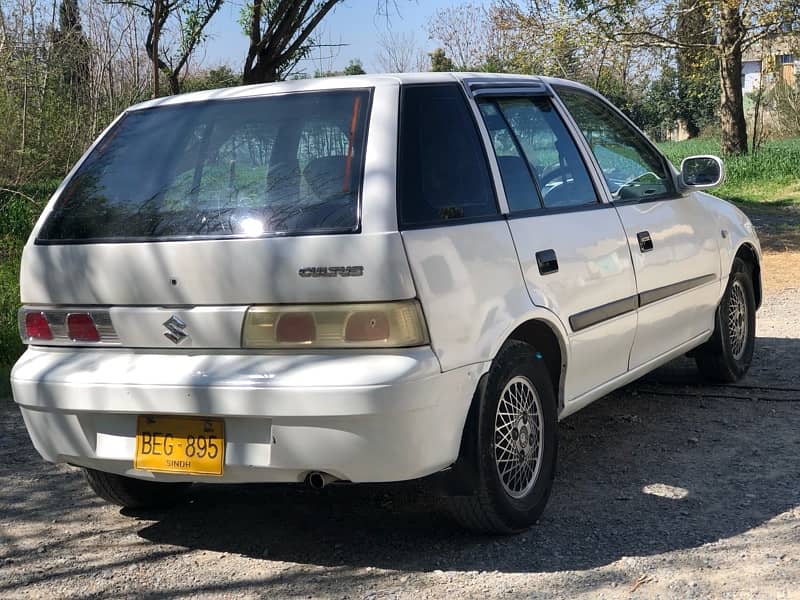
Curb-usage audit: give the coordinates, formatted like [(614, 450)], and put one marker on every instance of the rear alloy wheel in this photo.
[(726, 357), (517, 437), (510, 445), (135, 493)]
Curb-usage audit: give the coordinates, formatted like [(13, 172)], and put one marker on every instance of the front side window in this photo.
[(536, 155), (633, 169), (442, 175), (277, 165)]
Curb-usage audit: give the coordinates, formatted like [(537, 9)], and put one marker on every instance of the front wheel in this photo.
[(511, 442), (726, 357)]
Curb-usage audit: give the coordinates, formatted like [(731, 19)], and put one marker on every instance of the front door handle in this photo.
[(547, 261), (645, 241)]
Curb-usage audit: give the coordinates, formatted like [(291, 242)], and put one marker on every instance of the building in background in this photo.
[(775, 59)]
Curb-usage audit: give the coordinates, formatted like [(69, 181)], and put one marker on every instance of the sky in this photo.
[(353, 22)]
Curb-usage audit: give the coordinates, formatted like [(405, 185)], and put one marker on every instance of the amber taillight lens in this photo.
[(368, 325)]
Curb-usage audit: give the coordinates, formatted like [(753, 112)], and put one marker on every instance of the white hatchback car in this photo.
[(368, 279)]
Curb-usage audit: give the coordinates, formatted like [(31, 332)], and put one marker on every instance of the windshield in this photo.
[(277, 165)]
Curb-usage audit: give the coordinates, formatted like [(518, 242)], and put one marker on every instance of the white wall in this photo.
[(751, 75)]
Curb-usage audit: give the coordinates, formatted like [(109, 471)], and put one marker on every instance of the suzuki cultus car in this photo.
[(368, 279)]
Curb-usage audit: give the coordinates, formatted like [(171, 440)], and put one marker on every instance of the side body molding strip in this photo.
[(593, 316), (596, 315), (657, 294)]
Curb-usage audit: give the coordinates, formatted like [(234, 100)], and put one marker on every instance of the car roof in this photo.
[(343, 82)]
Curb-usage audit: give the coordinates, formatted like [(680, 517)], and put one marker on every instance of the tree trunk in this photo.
[(154, 52), (263, 71), (174, 83), (732, 121)]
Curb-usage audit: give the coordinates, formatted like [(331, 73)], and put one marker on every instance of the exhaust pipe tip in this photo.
[(317, 480)]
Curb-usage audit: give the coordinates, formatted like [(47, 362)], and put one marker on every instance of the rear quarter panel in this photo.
[(472, 291)]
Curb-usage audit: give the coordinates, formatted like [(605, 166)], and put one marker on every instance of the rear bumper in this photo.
[(386, 416)]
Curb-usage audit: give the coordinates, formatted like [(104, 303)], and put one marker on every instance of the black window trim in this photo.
[(499, 216), (370, 90), (589, 166), (676, 192), (493, 100)]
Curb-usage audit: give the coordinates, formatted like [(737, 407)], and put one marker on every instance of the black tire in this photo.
[(489, 506), (135, 493), (726, 357)]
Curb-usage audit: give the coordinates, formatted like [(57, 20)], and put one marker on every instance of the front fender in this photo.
[(737, 232)]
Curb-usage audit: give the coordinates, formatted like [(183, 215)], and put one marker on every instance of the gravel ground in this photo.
[(665, 489)]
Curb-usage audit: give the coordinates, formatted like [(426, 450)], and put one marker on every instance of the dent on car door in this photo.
[(672, 240), (460, 251), (571, 246)]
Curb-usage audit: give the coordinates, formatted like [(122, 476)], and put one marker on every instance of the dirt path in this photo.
[(691, 491), (778, 228)]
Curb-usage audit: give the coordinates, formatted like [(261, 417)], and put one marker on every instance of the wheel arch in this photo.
[(748, 253), (549, 343)]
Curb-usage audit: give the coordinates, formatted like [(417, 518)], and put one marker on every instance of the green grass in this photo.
[(5, 384), (771, 175)]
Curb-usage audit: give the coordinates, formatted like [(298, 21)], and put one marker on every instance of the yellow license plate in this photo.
[(180, 445)]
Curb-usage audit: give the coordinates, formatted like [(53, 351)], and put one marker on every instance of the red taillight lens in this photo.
[(37, 327), (81, 328)]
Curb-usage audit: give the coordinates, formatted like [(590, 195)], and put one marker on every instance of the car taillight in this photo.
[(37, 327), (81, 328), (60, 326), (375, 325)]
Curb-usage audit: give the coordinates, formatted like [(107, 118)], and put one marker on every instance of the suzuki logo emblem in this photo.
[(175, 330)]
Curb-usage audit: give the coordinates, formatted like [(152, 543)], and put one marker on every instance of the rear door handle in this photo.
[(645, 241), (547, 261)]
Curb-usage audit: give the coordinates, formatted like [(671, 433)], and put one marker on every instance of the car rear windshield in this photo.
[(287, 164)]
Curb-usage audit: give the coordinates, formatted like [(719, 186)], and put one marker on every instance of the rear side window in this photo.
[(277, 165), (442, 171), (531, 141)]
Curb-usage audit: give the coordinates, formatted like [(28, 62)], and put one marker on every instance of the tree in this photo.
[(189, 17), (71, 47), (217, 77), (732, 26), (543, 37), (440, 62), (399, 53), (785, 97), (280, 35), (354, 68), (64, 75), (464, 31), (661, 106), (697, 72)]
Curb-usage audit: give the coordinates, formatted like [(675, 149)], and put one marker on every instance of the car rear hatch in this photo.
[(185, 216)]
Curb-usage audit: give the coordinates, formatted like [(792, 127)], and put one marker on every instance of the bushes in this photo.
[(19, 208)]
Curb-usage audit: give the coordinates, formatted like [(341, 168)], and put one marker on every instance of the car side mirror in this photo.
[(702, 172)]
